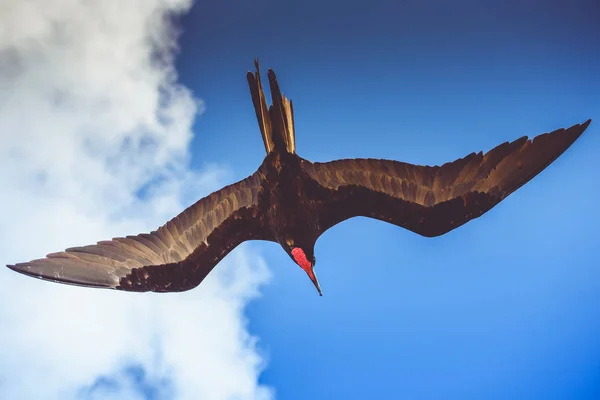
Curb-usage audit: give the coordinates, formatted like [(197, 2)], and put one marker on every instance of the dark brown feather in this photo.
[(175, 257), (433, 200), (276, 122), (260, 107)]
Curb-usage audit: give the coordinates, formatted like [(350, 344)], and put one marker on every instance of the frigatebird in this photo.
[(292, 201)]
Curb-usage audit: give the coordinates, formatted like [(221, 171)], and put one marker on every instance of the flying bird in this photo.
[(293, 201)]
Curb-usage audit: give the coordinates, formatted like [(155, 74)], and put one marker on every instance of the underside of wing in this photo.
[(175, 257), (433, 200)]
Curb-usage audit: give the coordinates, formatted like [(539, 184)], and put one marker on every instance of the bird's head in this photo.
[(305, 258)]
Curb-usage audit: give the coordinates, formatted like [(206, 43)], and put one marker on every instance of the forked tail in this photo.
[(276, 123)]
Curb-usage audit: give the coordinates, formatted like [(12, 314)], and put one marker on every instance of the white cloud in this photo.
[(90, 112)]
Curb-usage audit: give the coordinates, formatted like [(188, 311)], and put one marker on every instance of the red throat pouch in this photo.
[(300, 258)]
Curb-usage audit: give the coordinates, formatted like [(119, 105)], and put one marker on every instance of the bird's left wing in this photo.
[(174, 258), (431, 200)]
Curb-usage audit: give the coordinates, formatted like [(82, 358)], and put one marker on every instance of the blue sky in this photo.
[(504, 307), (100, 140)]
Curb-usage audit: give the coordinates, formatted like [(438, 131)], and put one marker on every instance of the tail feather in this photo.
[(290, 135), (260, 107), (276, 123)]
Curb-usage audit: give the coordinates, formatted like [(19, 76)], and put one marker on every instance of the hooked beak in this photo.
[(315, 281)]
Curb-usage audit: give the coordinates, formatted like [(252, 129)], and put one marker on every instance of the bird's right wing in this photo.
[(174, 258), (431, 200)]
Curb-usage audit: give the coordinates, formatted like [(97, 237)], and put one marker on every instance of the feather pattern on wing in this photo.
[(175, 257), (463, 189)]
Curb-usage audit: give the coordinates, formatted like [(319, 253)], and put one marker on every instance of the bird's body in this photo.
[(292, 201), (292, 206)]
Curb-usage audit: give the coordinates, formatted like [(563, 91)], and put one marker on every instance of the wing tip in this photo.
[(586, 124), (577, 130), (23, 268)]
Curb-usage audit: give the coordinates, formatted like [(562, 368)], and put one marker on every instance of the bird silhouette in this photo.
[(292, 201)]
